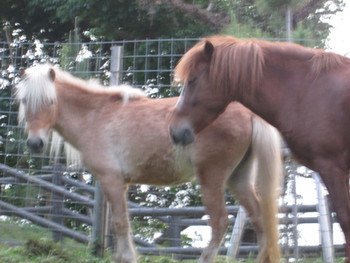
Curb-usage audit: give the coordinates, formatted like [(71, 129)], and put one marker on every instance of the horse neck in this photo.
[(281, 85), (75, 108)]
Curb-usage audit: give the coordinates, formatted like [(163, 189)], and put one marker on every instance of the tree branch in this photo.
[(215, 20), (302, 13)]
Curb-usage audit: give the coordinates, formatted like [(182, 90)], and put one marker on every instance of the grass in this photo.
[(37, 246), (45, 251), (168, 259)]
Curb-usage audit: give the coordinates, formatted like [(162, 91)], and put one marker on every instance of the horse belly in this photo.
[(161, 169)]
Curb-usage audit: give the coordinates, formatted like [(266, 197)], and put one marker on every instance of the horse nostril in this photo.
[(187, 134), (174, 136), (36, 145), (183, 136)]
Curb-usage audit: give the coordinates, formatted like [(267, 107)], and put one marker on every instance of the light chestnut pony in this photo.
[(123, 139)]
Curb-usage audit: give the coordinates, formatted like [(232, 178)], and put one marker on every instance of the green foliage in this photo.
[(187, 194), (264, 6), (74, 56), (120, 20), (22, 195), (108, 20), (148, 228), (301, 35), (244, 30), (267, 19)]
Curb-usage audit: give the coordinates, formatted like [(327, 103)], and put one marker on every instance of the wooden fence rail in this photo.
[(46, 185), (43, 222), (176, 219)]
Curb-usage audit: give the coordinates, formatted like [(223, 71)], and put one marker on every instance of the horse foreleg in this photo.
[(115, 191), (337, 183), (213, 190)]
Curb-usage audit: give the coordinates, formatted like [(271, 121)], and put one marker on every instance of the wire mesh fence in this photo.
[(146, 64)]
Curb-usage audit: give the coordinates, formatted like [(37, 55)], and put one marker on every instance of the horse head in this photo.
[(199, 104), (36, 95)]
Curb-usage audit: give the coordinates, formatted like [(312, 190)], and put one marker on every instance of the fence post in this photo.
[(289, 23), (116, 65), (237, 233), (295, 217), (174, 234), (57, 201), (174, 231), (324, 221), (97, 234), (102, 238)]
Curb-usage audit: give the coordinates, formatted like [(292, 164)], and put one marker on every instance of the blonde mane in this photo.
[(124, 92), (34, 90), (59, 145)]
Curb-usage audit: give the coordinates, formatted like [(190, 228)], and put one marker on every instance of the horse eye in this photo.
[(191, 81), (24, 101)]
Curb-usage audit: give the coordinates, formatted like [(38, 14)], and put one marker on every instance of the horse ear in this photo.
[(208, 49), (52, 74)]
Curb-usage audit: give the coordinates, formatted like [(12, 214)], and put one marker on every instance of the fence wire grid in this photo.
[(146, 64)]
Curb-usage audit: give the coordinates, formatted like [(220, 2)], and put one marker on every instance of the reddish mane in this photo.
[(245, 72), (240, 62), (323, 61)]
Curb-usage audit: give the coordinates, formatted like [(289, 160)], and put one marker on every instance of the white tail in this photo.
[(266, 146)]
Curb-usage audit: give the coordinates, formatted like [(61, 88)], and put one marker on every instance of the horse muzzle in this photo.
[(36, 145), (182, 136)]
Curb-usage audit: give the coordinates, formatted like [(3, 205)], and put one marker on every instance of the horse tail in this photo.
[(266, 147)]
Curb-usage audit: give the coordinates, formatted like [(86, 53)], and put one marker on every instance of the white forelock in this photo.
[(35, 89)]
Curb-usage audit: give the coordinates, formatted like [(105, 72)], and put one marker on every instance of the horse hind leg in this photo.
[(242, 185)]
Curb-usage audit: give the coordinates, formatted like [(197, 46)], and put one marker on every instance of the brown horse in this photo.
[(303, 92), (123, 139)]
